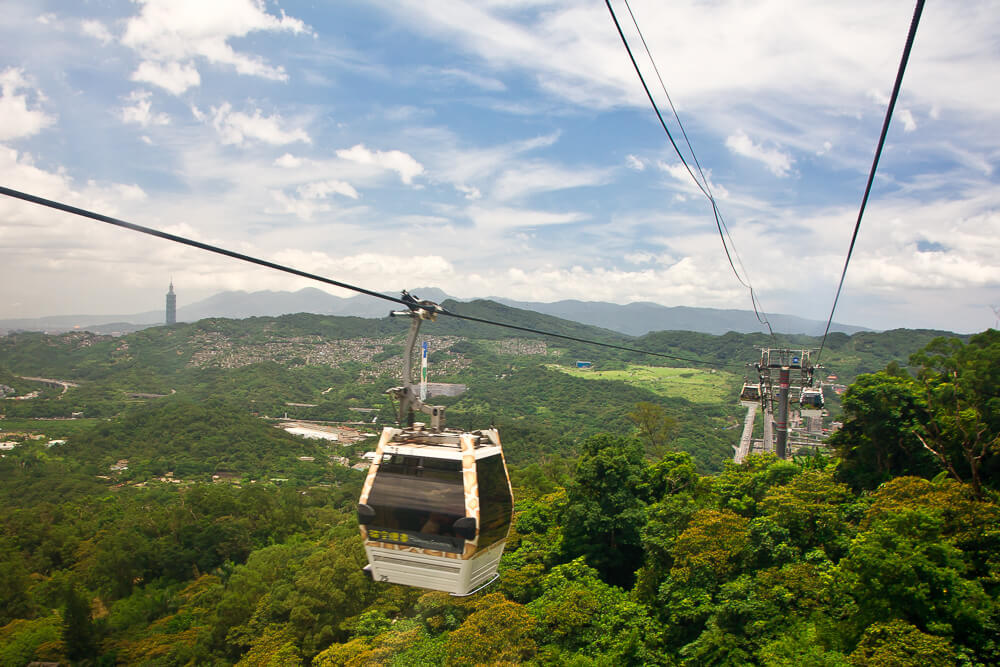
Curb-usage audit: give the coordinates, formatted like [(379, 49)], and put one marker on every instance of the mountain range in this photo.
[(634, 319)]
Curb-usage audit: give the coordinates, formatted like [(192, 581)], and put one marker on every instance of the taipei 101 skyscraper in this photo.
[(171, 305)]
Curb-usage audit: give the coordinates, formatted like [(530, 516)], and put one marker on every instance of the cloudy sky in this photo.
[(503, 147)]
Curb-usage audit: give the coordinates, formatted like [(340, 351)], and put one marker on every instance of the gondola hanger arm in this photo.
[(409, 400)]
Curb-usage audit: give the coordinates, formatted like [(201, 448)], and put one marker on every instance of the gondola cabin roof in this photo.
[(445, 445)]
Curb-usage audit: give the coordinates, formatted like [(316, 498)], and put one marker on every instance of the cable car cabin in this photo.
[(751, 392), (811, 399), (436, 508)]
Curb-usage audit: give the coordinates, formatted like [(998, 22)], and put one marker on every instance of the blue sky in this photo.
[(503, 148)]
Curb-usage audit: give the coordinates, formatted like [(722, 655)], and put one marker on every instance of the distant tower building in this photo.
[(171, 305)]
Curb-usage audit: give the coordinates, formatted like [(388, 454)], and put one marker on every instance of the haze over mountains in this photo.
[(634, 319)]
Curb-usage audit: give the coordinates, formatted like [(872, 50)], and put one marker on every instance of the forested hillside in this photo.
[(227, 541)]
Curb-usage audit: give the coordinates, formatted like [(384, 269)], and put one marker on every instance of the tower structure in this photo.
[(784, 376), (171, 305)]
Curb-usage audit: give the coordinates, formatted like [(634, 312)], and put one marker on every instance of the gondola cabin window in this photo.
[(495, 502), (417, 501)]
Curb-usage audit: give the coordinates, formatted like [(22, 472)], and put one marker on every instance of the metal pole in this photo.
[(782, 420)]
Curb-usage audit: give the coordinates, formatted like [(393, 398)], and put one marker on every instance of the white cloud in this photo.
[(682, 282), (131, 192), (777, 162), (377, 270), (97, 30), (301, 207), (479, 81), (906, 116), (469, 191), (398, 161), (18, 118), (170, 34), (312, 198), (140, 110), (288, 161), (323, 189), (466, 167), (878, 97), (640, 258), (236, 127), (634, 163), (501, 218), (174, 77), (532, 178), (679, 173)]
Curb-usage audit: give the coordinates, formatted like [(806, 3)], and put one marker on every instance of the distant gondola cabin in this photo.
[(750, 392), (436, 508), (812, 399)]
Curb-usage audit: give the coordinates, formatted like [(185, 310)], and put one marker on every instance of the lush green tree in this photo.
[(15, 583), (971, 524), (740, 487), (961, 385), (671, 474), (654, 425), (499, 631), (753, 610), (802, 646), (712, 549), (812, 507), (882, 413), (534, 545), (604, 512), (273, 647), (581, 614), (667, 519), (78, 633), (23, 641), (900, 644), (903, 567)]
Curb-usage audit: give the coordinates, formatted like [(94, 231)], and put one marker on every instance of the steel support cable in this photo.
[(642, 80), (580, 340), (720, 222), (705, 188), (59, 206), (914, 22), (74, 210), (673, 109)]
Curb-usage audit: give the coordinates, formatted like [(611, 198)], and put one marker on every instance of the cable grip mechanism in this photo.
[(408, 398)]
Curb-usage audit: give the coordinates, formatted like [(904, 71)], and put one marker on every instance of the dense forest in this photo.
[(629, 545)]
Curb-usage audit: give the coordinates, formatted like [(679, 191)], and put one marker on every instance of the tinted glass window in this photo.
[(495, 503), (416, 500)]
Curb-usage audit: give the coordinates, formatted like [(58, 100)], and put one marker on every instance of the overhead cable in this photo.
[(914, 22), (59, 206), (74, 210), (578, 340), (652, 101), (702, 184)]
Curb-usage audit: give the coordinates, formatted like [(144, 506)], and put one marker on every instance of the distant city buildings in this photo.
[(171, 305)]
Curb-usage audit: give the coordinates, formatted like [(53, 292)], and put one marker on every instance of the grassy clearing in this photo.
[(53, 428), (695, 384)]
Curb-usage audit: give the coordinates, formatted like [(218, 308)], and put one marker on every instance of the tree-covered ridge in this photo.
[(317, 367), (623, 550)]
